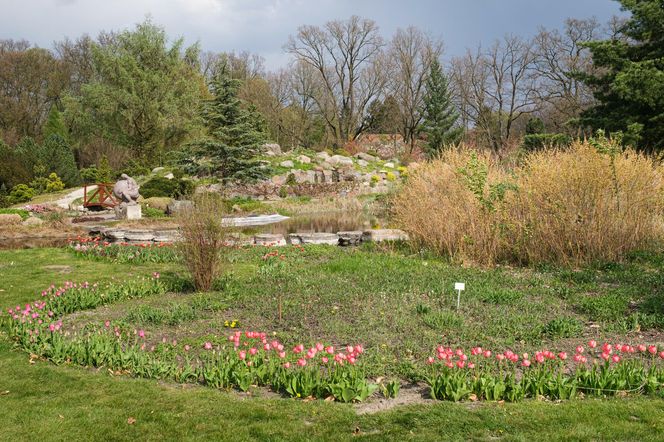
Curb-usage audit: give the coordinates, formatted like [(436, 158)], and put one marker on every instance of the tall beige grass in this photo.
[(569, 206)]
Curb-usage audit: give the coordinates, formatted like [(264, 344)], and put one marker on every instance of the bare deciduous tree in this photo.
[(558, 55), (496, 87), (411, 53), (347, 58)]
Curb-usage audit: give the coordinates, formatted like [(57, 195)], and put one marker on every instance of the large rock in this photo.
[(287, 163), (365, 156), (114, 234), (362, 163), (33, 221), (304, 176), (269, 239), (279, 180), (178, 205), (272, 148), (378, 235), (322, 156), (8, 219), (315, 238), (340, 160), (303, 159), (389, 165), (350, 238), (166, 236)]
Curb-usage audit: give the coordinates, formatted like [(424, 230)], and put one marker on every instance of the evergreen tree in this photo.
[(236, 134), (55, 124), (56, 155), (440, 115), (629, 79)]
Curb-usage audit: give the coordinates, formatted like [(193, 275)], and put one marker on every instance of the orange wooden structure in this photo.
[(101, 198)]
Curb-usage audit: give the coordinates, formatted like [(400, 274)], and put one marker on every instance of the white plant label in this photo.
[(459, 286)]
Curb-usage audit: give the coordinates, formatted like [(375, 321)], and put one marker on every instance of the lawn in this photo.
[(398, 305)]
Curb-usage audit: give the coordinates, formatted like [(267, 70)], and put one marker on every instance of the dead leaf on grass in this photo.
[(131, 421)]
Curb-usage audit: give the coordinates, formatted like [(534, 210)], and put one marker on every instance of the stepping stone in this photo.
[(269, 239), (166, 236), (378, 235), (116, 235), (317, 238), (139, 235), (350, 238)]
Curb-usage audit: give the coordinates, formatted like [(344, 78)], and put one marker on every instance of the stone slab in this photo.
[(269, 239), (350, 238), (378, 235)]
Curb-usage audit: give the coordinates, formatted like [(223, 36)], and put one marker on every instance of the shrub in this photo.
[(203, 237), (589, 202), (89, 174), (540, 141), (456, 195), (163, 187), (21, 193), (581, 205), (54, 183)]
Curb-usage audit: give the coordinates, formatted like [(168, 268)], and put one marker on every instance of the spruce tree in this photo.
[(440, 115), (236, 134), (55, 124), (628, 82), (57, 156)]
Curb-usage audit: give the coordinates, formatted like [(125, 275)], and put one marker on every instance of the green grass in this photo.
[(398, 305)]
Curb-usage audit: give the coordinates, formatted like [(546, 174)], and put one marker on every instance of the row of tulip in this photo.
[(123, 252), (597, 370)]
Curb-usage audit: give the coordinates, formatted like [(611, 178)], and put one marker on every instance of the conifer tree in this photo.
[(236, 134), (440, 115), (55, 124)]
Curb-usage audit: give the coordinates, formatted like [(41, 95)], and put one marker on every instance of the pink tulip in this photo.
[(562, 355), (319, 346), (253, 351), (207, 346), (525, 363), (652, 349), (141, 333), (592, 343), (487, 353), (107, 324), (301, 362), (282, 354), (615, 358), (287, 365), (500, 357), (471, 365), (605, 356), (661, 354), (324, 359), (242, 355), (430, 360), (460, 363), (330, 350), (449, 364), (187, 347)]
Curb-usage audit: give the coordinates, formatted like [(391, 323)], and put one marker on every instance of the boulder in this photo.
[(169, 176), (274, 148), (350, 238), (362, 163), (304, 159), (365, 156), (322, 156), (340, 160), (287, 163), (378, 235), (269, 239), (33, 221), (279, 180), (8, 219), (177, 205), (389, 165)]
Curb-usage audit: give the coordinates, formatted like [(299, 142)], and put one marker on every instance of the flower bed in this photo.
[(124, 252), (598, 371)]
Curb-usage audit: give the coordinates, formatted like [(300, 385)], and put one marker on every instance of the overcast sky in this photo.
[(263, 26)]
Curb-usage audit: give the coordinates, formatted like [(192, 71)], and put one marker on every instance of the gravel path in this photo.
[(65, 201)]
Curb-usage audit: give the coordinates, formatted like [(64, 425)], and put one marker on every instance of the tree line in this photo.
[(138, 98)]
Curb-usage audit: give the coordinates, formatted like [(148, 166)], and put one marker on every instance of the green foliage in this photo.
[(54, 183), (629, 83), (22, 212), (21, 193), (542, 140), (383, 117), (236, 133), (104, 171), (151, 212), (440, 114), (55, 125), (163, 187), (144, 94), (562, 328)]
